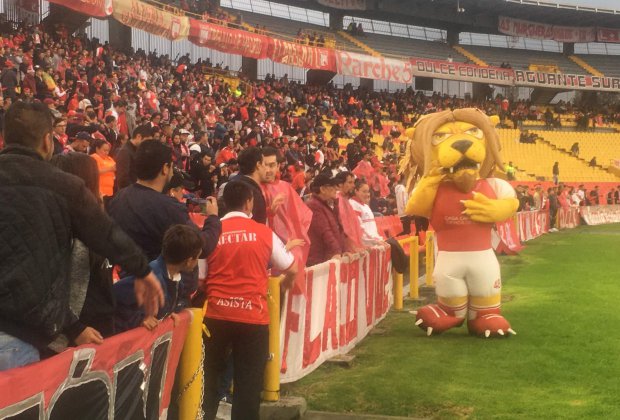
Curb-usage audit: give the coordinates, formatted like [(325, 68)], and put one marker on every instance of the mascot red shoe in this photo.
[(454, 154)]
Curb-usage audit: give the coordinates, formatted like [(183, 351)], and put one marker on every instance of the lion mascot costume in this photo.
[(453, 155)]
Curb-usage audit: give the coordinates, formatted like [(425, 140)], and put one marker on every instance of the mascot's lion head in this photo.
[(461, 144)]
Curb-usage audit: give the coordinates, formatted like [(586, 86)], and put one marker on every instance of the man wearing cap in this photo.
[(327, 238), (79, 143)]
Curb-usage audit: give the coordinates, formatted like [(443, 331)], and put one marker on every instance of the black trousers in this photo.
[(250, 348)]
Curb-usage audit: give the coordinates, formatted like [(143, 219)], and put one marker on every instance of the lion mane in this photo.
[(416, 161)]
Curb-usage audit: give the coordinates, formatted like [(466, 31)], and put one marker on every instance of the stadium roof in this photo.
[(478, 16)]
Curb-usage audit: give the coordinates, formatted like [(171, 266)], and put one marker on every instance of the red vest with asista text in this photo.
[(236, 283), (454, 230)]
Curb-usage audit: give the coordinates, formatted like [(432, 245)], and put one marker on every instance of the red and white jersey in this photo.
[(455, 231), (236, 282)]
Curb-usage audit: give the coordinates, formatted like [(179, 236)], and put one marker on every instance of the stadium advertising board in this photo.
[(151, 19), (129, 376), (458, 71), (344, 4), (342, 301), (227, 40), (369, 67), (566, 81), (97, 8), (537, 30), (299, 55)]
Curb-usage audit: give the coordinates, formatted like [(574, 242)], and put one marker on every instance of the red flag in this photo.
[(291, 221)]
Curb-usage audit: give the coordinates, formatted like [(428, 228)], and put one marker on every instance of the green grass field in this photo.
[(561, 295)]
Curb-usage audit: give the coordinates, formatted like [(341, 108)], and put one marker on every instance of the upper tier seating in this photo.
[(521, 59), (394, 46), (609, 65)]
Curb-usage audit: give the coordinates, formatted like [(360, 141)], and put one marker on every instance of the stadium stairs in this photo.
[(472, 57), (587, 67), (358, 43)]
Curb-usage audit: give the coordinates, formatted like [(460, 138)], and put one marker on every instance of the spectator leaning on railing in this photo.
[(41, 210)]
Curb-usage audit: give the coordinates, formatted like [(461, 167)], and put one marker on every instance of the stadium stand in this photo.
[(391, 46), (609, 65), (522, 59)]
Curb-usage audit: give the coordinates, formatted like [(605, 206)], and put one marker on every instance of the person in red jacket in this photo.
[(236, 302), (327, 237)]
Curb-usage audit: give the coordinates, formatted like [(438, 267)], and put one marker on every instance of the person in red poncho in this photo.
[(345, 181)]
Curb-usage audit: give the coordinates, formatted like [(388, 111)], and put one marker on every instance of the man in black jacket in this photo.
[(125, 167), (145, 213), (41, 210)]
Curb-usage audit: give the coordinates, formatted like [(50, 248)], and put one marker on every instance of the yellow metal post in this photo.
[(190, 374), (398, 290), (414, 269), (430, 257), (271, 385)]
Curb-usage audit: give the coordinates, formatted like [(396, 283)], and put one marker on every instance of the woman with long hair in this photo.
[(92, 303)]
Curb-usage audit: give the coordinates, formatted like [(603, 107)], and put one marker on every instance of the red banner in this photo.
[(608, 35), (151, 19), (232, 41), (299, 55), (128, 376), (532, 224), (600, 215), (97, 8), (343, 301), (505, 238), (537, 30), (566, 81), (568, 218), (369, 67), (459, 71)]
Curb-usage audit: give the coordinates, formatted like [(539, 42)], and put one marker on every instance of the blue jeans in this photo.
[(15, 352)]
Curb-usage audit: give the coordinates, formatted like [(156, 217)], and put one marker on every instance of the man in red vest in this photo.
[(236, 302)]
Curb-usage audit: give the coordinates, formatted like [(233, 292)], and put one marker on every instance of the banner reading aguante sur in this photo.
[(129, 376)]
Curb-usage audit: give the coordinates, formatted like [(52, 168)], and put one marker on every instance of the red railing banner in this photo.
[(532, 224), (300, 55), (232, 41), (96, 8), (459, 71), (568, 218), (150, 19), (505, 238), (608, 35), (129, 376), (600, 215), (369, 67), (344, 300)]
